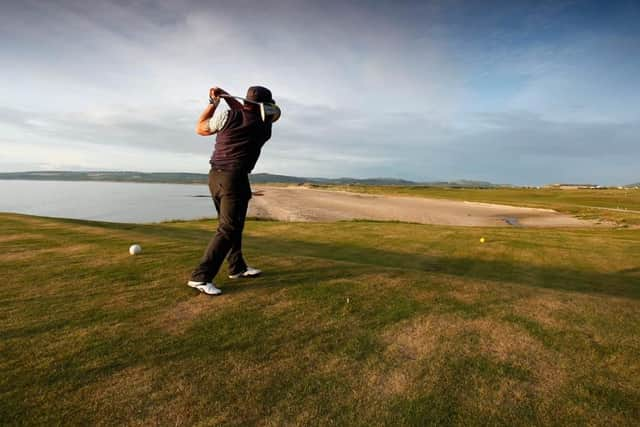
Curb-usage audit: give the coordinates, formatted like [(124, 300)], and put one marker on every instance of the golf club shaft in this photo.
[(265, 108), (239, 97)]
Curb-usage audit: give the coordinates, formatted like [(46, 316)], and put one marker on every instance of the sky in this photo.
[(519, 92)]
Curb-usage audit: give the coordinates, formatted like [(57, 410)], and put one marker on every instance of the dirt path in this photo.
[(305, 204)]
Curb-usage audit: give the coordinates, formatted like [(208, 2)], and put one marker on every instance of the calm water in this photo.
[(106, 201)]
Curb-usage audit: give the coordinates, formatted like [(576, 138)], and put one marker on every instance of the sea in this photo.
[(107, 201)]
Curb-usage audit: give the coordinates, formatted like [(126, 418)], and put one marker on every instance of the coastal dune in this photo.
[(308, 205)]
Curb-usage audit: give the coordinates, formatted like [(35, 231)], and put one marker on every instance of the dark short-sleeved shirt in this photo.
[(239, 140)]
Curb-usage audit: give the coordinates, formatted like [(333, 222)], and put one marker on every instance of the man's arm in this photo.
[(202, 128)]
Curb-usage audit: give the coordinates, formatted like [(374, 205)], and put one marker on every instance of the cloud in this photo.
[(521, 148), (510, 93)]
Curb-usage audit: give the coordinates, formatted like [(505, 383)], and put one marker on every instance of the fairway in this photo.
[(352, 323)]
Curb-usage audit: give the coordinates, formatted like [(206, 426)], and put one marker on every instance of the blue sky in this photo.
[(505, 91)]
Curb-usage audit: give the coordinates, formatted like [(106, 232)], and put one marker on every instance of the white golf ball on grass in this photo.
[(135, 249)]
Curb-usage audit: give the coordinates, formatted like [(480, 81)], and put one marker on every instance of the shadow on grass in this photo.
[(623, 283)]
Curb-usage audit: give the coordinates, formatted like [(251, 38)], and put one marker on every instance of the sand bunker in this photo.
[(305, 204)]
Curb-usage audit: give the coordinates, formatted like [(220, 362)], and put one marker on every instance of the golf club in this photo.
[(266, 109)]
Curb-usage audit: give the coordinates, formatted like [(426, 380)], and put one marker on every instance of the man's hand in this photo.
[(216, 92)]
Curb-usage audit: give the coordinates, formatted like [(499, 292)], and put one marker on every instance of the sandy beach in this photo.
[(298, 203)]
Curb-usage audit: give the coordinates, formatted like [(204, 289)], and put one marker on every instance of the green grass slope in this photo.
[(353, 323)]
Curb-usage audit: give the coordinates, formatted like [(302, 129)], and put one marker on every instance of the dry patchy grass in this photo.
[(351, 324)]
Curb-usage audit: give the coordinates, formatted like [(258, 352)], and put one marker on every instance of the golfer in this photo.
[(240, 131)]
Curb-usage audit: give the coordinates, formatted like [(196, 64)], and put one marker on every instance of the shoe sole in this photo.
[(211, 295), (242, 276), (202, 290), (194, 286)]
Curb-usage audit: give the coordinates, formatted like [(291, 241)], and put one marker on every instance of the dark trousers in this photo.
[(231, 192)]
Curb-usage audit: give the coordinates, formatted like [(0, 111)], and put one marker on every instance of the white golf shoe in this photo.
[(249, 272), (204, 287)]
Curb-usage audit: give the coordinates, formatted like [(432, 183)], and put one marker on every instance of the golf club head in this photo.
[(269, 111)]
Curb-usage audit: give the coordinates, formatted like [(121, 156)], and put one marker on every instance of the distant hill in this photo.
[(201, 178), (267, 177), (119, 176)]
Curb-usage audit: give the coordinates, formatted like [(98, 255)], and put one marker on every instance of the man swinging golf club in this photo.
[(240, 131)]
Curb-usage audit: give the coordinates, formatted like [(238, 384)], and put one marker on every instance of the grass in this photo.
[(353, 323), (620, 206)]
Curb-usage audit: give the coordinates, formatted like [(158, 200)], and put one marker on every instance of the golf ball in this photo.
[(482, 240), (135, 249)]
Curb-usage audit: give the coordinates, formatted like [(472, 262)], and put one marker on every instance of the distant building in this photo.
[(574, 186)]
